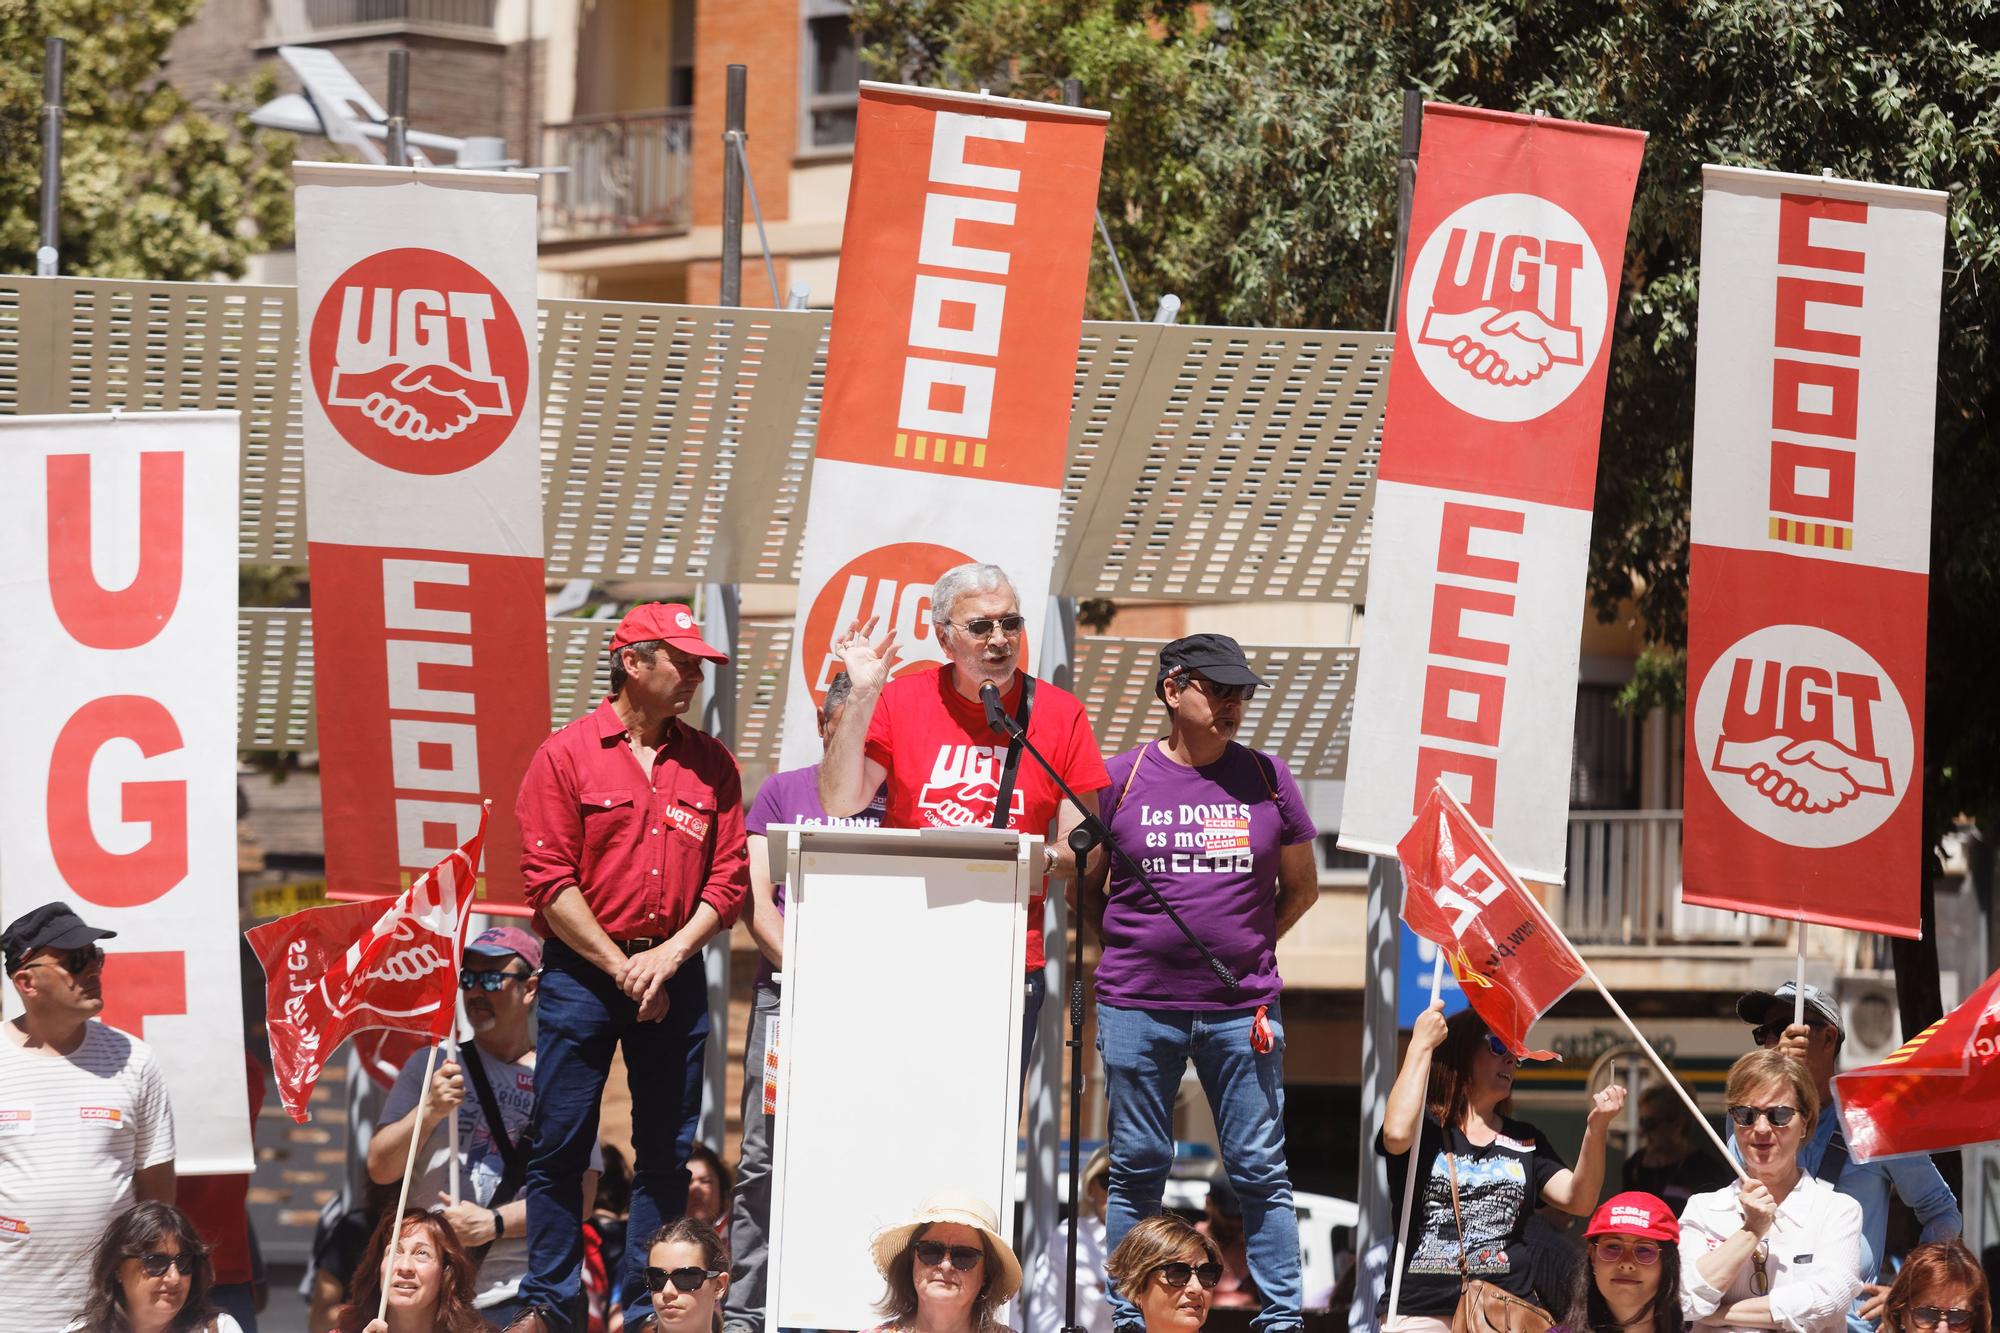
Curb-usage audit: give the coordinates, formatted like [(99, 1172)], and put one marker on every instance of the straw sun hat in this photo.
[(967, 1211)]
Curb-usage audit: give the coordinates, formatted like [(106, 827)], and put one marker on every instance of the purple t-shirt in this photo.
[(792, 797), (1209, 839)]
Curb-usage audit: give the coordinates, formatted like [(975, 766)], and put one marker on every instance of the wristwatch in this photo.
[(499, 1224), (1048, 859)]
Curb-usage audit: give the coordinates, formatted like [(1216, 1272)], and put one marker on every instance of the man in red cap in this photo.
[(633, 856)]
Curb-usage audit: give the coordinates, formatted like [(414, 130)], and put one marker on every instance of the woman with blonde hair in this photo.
[(947, 1269), (1782, 1250), (1169, 1271)]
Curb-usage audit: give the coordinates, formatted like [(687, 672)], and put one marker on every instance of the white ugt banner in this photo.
[(118, 732)]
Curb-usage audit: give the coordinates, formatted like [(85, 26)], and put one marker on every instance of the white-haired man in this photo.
[(925, 735)]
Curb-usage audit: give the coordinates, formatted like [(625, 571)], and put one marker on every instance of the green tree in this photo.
[(154, 187)]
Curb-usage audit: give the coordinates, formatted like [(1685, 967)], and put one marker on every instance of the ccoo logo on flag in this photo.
[(418, 361), (1507, 307), (1804, 736)]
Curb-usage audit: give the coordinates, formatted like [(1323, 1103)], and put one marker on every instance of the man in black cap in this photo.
[(85, 1127), (1222, 832)]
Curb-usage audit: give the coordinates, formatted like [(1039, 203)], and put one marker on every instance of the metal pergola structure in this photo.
[(1205, 465)]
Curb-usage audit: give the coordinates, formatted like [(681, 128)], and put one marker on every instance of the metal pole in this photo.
[(1169, 309), (52, 119), (399, 108), (720, 605), (732, 185), (1406, 192)]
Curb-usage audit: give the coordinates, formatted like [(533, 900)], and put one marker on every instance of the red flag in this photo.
[(1504, 950), (1940, 1090), (331, 971)]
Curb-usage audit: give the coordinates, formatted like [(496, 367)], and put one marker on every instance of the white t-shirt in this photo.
[(73, 1130), (480, 1163)]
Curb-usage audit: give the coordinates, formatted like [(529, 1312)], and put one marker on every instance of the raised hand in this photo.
[(1608, 1102), (1429, 1032), (869, 665)]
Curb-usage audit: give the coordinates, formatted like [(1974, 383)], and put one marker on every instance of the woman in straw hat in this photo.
[(947, 1269)]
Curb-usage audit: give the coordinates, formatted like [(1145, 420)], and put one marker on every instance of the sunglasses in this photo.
[(683, 1279), (487, 981), (1177, 1273), (983, 626), (76, 962), (1644, 1253), (965, 1258), (1746, 1116), (1928, 1316), (155, 1264), (1215, 691), (1767, 1034), (1499, 1048)]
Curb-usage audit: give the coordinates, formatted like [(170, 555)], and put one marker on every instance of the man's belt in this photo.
[(640, 945)]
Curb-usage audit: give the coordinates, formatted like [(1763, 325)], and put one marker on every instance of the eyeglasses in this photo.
[(1927, 1316), (683, 1279), (1644, 1253), (1746, 1116), (983, 626), (1767, 1034), (487, 981), (931, 1253), (1760, 1278), (155, 1264), (1177, 1273), (76, 962)]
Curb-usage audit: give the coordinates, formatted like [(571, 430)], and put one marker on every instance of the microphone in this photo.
[(997, 720)]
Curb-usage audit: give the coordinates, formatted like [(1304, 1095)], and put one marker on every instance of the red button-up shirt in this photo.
[(645, 848)]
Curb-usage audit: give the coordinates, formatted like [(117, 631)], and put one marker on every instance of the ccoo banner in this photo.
[(1489, 464), (424, 515), (118, 734), (949, 369), (1809, 572)]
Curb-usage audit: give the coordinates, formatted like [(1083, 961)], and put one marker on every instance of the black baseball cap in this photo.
[(50, 926), (1754, 1005), (1215, 657)]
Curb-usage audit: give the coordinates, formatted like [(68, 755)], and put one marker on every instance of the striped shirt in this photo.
[(73, 1130)]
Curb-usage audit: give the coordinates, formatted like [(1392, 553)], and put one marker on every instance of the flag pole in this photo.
[(1410, 1172), (458, 993), (1799, 984), (1616, 1008), (403, 1199)]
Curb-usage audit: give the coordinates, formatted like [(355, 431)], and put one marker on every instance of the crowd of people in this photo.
[(638, 850)]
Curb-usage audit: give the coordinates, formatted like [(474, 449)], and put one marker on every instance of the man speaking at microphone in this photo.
[(926, 735)]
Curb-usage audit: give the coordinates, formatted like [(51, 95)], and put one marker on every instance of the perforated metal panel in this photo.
[(274, 679), (1244, 467), (1301, 716), (763, 656), (579, 666)]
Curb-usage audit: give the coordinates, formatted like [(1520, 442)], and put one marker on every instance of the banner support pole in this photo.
[(399, 108), (1410, 1176), (403, 1199), (1799, 983), (48, 254), (735, 97)]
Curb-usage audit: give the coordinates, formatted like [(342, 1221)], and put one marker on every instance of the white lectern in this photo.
[(899, 1046)]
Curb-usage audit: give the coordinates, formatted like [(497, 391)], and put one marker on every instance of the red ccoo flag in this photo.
[(332, 971), (1940, 1090), (1459, 894)]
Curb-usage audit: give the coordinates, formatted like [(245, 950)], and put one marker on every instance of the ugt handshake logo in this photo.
[(1507, 302), (418, 361), (1803, 735)]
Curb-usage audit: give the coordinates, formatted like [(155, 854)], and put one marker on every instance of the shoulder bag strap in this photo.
[(1010, 770), (1130, 777), (1464, 1269), (516, 1173)]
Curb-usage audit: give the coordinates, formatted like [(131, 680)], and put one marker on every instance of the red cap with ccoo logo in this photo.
[(669, 622), (1635, 1213)]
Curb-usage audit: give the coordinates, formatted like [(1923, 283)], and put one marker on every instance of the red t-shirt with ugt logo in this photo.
[(944, 764)]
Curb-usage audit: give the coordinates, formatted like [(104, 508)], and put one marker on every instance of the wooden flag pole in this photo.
[(1410, 1172), (1799, 983), (403, 1199)]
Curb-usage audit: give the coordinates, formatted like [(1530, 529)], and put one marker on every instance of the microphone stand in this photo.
[(1082, 838)]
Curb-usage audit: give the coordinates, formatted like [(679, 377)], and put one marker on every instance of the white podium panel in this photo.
[(899, 1046)]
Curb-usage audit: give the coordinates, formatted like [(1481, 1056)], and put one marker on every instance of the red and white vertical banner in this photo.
[(118, 731), (1483, 498), (424, 515), (949, 371), (1809, 575)]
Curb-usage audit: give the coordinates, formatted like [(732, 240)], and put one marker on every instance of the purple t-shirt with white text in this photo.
[(792, 797), (1209, 839)]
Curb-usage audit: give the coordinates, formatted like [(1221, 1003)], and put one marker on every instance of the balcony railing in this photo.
[(297, 19), (627, 174), (1624, 887)]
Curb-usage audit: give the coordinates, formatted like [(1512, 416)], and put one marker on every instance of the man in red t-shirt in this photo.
[(925, 735)]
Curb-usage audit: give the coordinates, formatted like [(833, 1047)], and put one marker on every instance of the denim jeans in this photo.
[(750, 1201), (582, 1017), (1145, 1051)]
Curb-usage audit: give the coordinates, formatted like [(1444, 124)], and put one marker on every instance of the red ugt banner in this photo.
[(333, 971), (1459, 894), (1940, 1090)]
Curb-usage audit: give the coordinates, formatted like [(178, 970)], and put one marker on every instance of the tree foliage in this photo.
[(1251, 169), (154, 186)]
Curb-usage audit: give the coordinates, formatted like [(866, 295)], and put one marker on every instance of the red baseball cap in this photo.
[(669, 622), (1635, 1213)]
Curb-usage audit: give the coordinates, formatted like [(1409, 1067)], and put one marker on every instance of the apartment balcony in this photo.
[(314, 20), (628, 175)]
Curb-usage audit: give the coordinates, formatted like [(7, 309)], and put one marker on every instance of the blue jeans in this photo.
[(1145, 1052), (582, 1017)]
